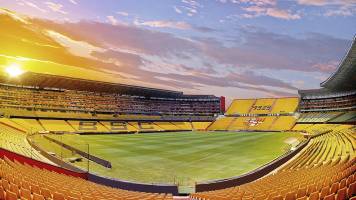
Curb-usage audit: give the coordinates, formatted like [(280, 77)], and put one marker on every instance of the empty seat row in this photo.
[(22, 181)]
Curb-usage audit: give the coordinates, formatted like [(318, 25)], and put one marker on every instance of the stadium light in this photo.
[(14, 70)]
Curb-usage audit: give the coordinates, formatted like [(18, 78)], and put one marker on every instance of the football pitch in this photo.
[(177, 157)]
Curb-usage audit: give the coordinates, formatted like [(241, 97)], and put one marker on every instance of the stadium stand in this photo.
[(200, 125), (88, 126), (29, 101), (145, 126), (260, 123), (238, 123), (12, 123), (325, 168), (114, 126), (318, 116), (56, 125), (20, 181), (100, 126), (221, 124), (326, 105), (301, 127), (56, 114), (240, 106), (14, 140), (262, 106), (62, 114), (266, 114), (285, 105), (325, 100), (32, 125), (183, 125), (345, 117), (167, 126), (283, 123), (135, 117), (314, 129)]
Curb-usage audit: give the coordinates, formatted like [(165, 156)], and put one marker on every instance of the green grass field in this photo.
[(183, 158)]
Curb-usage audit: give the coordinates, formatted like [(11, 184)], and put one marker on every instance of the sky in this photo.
[(232, 48)]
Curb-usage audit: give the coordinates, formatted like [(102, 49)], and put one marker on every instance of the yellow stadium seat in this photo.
[(56, 125), (167, 126), (62, 186), (239, 123), (10, 195), (221, 124), (32, 124), (88, 126), (240, 106), (285, 105), (145, 126), (260, 123), (118, 126), (262, 106), (183, 125), (200, 125), (283, 123)]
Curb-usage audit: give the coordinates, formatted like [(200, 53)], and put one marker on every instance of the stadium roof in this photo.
[(344, 78), (60, 82)]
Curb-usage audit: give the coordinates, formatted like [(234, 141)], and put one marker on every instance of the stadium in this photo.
[(72, 134), (69, 138)]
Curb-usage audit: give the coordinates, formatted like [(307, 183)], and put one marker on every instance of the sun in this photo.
[(14, 70)]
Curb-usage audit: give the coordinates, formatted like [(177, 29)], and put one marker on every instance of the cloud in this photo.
[(138, 56), (341, 11), (258, 8), (78, 48), (204, 29), (165, 24), (56, 7), (190, 7), (333, 7), (112, 20), (174, 25), (73, 2), (131, 38), (247, 80), (122, 13), (130, 65), (192, 3), (326, 2), (32, 5), (265, 50), (251, 78), (257, 11), (252, 48), (120, 59), (282, 14), (177, 10), (250, 2), (260, 2), (326, 67), (13, 15)]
